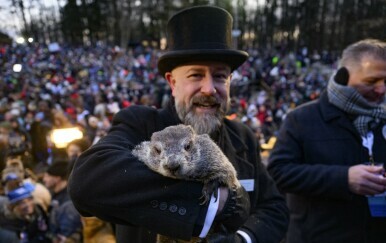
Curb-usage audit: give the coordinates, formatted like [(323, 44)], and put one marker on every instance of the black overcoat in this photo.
[(316, 145), (108, 182)]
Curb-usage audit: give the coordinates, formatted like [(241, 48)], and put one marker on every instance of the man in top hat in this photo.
[(110, 183)]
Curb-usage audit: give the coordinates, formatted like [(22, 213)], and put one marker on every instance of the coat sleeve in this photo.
[(298, 168), (108, 182)]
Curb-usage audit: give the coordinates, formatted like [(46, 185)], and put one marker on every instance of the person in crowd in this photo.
[(22, 215), (55, 179), (20, 142), (5, 129), (40, 128), (41, 194), (65, 223), (109, 182), (9, 225), (76, 147), (91, 128), (327, 153)]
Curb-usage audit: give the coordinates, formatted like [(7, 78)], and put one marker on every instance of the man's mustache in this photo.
[(207, 100)]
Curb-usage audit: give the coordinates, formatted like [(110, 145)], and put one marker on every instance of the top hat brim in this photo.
[(173, 59)]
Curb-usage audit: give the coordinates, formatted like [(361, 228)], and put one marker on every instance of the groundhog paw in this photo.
[(208, 189)]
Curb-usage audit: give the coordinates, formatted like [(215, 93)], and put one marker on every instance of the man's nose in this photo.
[(207, 85)]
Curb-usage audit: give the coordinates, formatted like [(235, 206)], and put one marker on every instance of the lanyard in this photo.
[(367, 142)]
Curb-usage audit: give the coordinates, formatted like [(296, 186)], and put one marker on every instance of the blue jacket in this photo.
[(65, 220)]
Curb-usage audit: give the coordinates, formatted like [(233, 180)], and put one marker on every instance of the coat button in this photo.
[(182, 211), (154, 203), (163, 205), (173, 208)]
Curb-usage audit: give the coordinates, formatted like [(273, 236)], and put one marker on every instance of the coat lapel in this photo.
[(236, 150), (332, 114)]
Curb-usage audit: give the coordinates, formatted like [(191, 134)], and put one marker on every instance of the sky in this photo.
[(11, 23)]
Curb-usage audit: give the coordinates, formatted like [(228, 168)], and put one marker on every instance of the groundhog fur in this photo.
[(178, 152)]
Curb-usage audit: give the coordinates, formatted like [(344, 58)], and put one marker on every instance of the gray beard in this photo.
[(202, 124)]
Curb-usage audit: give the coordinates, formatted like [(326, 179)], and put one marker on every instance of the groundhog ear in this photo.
[(154, 135), (140, 151)]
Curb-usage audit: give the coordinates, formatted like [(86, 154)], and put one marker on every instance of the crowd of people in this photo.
[(84, 87)]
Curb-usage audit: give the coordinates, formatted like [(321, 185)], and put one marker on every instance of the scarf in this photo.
[(367, 115)]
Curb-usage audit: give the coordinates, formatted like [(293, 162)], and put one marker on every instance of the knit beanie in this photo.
[(24, 191), (59, 168)]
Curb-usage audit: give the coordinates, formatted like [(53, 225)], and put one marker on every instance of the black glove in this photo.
[(342, 76), (224, 238), (235, 212)]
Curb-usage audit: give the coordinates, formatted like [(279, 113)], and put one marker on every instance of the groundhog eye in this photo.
[(188, 146), (157, 150)]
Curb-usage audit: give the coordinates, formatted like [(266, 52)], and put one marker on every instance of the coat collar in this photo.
[(332, 114), (235, 138), (169, 114), (329, 111)]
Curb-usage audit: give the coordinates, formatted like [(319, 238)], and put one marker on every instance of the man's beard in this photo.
[(205, 123)]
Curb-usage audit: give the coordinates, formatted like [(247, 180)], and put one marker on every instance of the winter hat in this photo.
[(58, 168), (7, 176), (20, 193)]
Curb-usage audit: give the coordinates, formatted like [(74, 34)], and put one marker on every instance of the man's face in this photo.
[(73, 151), (50, 181), (23, 208), (201, 93), (369, 77)]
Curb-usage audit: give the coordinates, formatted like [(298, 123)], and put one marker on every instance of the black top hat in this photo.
[(201, 33)]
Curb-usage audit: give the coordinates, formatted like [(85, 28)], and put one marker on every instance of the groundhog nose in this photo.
[(173, 166)]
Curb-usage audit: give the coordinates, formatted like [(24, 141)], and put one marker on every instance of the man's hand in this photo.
[(235, 211), (366, 179)]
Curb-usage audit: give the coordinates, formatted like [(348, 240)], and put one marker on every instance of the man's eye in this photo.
[(375, 82), (195, 75), (221, 76)]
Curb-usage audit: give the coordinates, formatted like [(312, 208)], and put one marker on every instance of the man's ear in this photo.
[(342, 76), (170, 79)]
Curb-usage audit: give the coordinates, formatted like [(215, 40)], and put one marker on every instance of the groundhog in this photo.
[(178, 152)]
